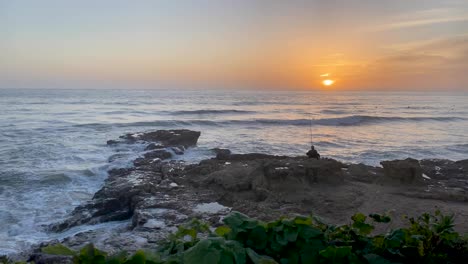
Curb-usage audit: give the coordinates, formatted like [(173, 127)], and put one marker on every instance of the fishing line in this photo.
[(310, 119)]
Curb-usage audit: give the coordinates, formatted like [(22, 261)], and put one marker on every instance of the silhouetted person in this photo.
[(312, 153)]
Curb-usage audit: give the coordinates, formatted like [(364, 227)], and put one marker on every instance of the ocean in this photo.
[(53, 152)]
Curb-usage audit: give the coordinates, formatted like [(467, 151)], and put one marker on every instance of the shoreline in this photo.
[(157, 194)]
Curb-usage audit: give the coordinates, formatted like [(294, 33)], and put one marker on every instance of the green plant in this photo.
[(4, 260), (243, 240)]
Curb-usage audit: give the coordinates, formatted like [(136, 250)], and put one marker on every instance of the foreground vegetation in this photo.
[(429, 238)]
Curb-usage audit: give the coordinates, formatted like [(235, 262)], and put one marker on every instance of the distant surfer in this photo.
[(313, 153)]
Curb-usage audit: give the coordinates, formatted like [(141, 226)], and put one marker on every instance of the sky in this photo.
[(253, 44)]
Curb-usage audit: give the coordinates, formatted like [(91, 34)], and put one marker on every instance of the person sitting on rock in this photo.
[(312, 153)]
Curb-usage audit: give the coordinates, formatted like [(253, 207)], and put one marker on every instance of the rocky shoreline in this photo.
[(158, 193)]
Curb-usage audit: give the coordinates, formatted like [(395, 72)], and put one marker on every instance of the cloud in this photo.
[(423, 18), (417, 23), (439, 64), (444, 50)]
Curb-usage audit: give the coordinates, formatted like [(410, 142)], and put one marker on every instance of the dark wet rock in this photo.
[(158, 154), (178, 137), (178, 150), (112, 142), (155, 218), (363, 173), (115, 201), (442, 194), (324, 171), (221, 153), (117, 172), (154, 146), (117, 157), (462, 163), (406, 171), (254, 156), (41, 258), (441, 169), (147, 218), (140, 162)]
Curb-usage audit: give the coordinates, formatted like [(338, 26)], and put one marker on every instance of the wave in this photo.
[(364, 119), (354, 120), (262, 103), (208, 111), (460, 148), (126, 112), (57, 178), (333, 112)]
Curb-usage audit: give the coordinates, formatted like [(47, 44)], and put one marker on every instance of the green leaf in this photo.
[(250, 224), (274, 245), (117, 259), (395, 239), (91, 255), (138, 258), (281, 239), (235, 219), (299, 220), (291, 234), (257, 238), (237, 250), (187, 232), (310, 252), (293, 258), (202, 252), (287, 222), (308, 232), (360, 225), (359, 217), (278, 227), (380, 218), (259, 259), (226, 258), (223, 231), (363, 228), (336, 254), (445, 223), (151, 256), (376, 259), (57, 249)]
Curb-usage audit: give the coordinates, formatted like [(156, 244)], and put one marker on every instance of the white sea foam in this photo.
[(210, 208)]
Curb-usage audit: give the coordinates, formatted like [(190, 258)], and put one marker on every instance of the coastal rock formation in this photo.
[(153, 146), (363, 173), (168, 138), (221, 153), (157, 194), (242, 172), (124, 189), (445, 169), (124, 192), (158, 154), (406, 171)]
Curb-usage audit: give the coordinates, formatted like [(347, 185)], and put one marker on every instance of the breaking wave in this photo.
[(208, 112), (354, 120)]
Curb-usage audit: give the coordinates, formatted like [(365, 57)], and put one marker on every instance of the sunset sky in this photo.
[(359, 44)]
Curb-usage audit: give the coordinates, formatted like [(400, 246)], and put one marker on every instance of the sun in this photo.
[(328, 82)]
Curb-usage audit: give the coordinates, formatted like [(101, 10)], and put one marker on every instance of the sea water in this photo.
[(53, 152)]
